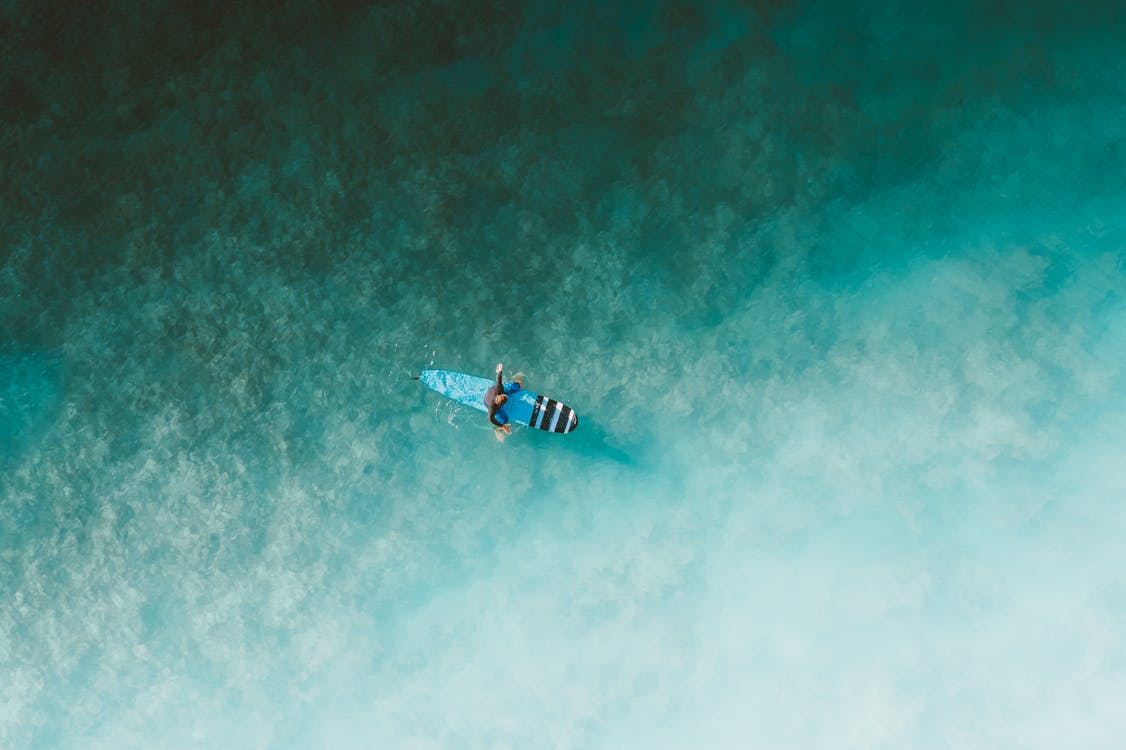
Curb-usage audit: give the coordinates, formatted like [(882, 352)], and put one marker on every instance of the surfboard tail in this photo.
[(553, 416)]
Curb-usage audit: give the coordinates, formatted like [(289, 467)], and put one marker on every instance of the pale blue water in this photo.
[(838, 292)]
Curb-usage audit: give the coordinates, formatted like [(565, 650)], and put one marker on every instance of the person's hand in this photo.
[(499, 367)]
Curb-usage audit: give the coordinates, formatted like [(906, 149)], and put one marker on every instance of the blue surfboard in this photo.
[(523, 407)]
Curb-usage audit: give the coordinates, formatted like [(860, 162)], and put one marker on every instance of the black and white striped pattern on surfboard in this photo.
[(552, 416)]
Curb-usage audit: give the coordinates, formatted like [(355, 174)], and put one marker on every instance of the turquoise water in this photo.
[(837, 290)]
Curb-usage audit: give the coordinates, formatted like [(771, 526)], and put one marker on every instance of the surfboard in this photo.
[(523, 407)]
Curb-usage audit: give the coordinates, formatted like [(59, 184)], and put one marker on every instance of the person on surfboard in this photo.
[(495, 399)]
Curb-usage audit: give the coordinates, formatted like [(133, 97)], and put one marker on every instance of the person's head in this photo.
[(501, 399)]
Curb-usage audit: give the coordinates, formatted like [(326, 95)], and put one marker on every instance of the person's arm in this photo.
[(493, 407)]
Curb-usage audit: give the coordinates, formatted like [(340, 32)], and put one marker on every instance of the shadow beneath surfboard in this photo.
[(592, 441)]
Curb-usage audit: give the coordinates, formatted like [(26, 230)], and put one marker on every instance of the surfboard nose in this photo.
[(572, 423)]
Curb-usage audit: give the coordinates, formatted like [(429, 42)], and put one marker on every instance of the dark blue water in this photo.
[(837, 290)]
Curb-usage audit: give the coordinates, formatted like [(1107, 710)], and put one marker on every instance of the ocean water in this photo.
[(838, 290)]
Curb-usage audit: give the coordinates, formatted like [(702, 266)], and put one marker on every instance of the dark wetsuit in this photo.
[(496, 413)]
